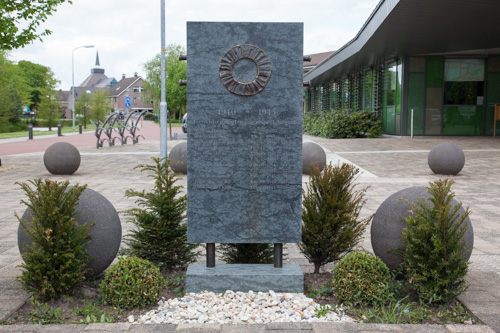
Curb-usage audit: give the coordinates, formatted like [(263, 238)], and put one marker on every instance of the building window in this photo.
[(138, 89), (135, 100), (463, 109), (464, 81)]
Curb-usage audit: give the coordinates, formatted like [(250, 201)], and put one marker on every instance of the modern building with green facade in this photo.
[(439, 58)]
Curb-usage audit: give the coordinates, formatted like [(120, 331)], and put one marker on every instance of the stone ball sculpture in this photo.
[(62, 158), (387, 225), (178, 158), (106, 232), (312, 153), (446, 159)]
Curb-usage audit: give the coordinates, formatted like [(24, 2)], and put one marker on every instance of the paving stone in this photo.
[(152, 328), (199, 327), (244, 328), (115, 327), (469, 329)]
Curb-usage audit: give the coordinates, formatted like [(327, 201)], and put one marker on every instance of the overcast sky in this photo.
[(127, 33)]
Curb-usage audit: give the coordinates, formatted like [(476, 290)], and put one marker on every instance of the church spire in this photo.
[(97, 64), (97, 69)]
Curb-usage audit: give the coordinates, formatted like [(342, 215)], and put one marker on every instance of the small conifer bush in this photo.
[(331, 225), (57, 259), (434, 245), (247, 253), (132, 283), (161, 234), (360, 278)]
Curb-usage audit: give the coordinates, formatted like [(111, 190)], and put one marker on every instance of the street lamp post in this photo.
[(163, 102), (73, 78)]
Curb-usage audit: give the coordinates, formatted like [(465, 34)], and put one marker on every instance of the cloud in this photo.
[(127, 33)]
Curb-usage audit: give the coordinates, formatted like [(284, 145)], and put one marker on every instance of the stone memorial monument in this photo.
[(244, 96)]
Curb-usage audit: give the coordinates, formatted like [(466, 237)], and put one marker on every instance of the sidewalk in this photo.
[(390, 164), (40, 143)]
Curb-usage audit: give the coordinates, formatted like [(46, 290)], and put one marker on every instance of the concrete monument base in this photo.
[(244, 277)]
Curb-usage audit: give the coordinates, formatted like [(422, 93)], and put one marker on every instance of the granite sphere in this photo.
[(312, 153), (446, 159), (62, 158), (178, 158), (106, 232), (387, 225)]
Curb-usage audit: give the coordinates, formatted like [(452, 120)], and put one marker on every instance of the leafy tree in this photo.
[(82, 106), (434, 245), (175, 71), (19, 21), (13, 92), (37, 78), (330, 214), (100, 105), (161, 234), (49, 108)]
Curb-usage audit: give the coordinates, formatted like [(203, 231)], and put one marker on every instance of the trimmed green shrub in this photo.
[(434, 246), (132, 283), (247, 253), (330, 214), (56, 260), (360, 278), (340, 124), (9, 127), (161, 235)]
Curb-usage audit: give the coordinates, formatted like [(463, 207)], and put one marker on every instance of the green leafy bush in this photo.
[(133, 282), (330, 214), (43, 314), (360, 278), (9, 127), (56, 260), (434, 246), (340, 124), (161, 235), (247, 253)]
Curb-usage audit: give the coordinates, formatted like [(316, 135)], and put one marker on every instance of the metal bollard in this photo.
[(411, 126), (30, 132), (59, 129), (80, 127), (210, 255), (278, 255)]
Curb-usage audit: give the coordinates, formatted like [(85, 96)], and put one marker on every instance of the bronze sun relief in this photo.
[(253, 53)]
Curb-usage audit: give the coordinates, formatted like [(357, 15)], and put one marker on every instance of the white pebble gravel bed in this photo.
[(237, 308)]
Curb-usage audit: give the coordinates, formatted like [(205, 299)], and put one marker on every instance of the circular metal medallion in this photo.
[(236, 66)]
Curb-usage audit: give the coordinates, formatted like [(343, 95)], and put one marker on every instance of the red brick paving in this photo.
[(149, 130)]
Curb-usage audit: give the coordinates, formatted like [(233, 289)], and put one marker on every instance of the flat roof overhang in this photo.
[(416, 27)]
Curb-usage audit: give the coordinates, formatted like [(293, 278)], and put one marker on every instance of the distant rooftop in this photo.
[(316, 58)]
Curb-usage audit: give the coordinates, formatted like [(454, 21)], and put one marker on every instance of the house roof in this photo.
[(93, 79), (122, 85), (104, 83), (316, 58), (64, 95), (416, 27)]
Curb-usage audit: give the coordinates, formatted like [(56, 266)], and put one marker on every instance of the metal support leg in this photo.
[(210, 255), (278, 255)]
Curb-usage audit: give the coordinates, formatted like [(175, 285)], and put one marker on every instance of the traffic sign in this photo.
[(127, 100), (127, 105)]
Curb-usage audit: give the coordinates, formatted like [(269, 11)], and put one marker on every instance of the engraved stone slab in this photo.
[(241, 277), (244, 98)]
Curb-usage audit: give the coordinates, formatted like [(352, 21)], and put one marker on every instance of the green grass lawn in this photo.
[(65, 129)]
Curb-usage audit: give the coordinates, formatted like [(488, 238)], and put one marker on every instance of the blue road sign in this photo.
[(127, 105), (127, 100)]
